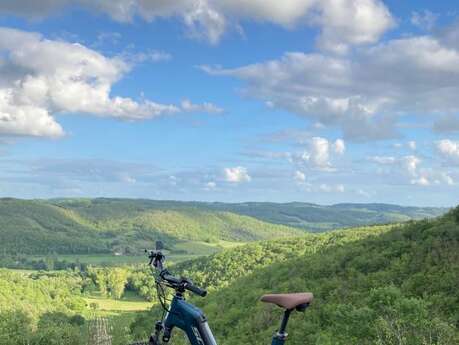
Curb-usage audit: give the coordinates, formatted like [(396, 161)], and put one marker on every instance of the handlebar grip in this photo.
[(198, 291), (171, 278)]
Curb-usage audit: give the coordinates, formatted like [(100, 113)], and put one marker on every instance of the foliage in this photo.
[(110, 281), (117, 225), (89, 226), (41, 293), (41, 309), (399, 287), (222, 268), (314, 217), (38, 227)]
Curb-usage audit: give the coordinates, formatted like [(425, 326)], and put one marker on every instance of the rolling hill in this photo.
[(398, 286), (88, 226), (311, 217), (317, 218), (104, 225)]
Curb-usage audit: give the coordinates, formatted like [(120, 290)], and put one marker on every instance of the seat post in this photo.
[(281, 336)]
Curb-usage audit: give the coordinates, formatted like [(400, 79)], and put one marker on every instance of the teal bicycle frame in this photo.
[(193, 322), (188, 317)]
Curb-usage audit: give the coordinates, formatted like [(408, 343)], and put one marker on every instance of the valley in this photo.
[(364, 278)]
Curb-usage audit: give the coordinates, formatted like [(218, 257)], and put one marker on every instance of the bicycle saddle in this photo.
[(289, 300)]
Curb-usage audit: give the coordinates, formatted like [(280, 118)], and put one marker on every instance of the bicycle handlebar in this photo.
[(180, 284), (196, 290)]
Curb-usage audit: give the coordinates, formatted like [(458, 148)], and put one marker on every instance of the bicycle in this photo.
[(191, 319)]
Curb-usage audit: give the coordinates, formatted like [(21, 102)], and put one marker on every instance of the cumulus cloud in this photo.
[(209, 19), (236, 175), (449, 150), (410, 165), (364, 94), (40, 78), (210, 186), (339, 146), (408, 170), (299, 176), (319, 152)]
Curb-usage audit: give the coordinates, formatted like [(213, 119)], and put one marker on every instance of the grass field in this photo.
[(130, 302), (113, 260), (187, 249)]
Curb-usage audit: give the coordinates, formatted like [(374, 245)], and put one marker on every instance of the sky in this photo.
[(298, 100)]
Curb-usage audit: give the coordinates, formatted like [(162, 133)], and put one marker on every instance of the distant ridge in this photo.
[(314, 217), (87, 226), (107, 225)]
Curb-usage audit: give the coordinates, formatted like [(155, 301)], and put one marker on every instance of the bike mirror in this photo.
[(159, 245)]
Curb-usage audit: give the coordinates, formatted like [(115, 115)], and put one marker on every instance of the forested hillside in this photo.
[(87, 226), (399, 287), (312, 217), (39, 227), (220, 269), (104, 225)]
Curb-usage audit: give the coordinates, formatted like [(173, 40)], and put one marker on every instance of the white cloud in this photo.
[(449, 150), (339, 146), (299, 176), (421, 181), (408, 169), (447, 179), (207, 107), (211, 18), (370, 19), (318, 154), (412, 145), (236, 175), (424, 20), (149, 56), (40, 78), (363, 94), (204, 21), (410, 165), (385, 160), (363, 193), (211, 185), (339, 188)]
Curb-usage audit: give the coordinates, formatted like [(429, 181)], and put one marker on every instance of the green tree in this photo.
[(117, 279), (15, 328)]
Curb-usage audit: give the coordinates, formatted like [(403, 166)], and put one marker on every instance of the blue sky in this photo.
[(301, 100)]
